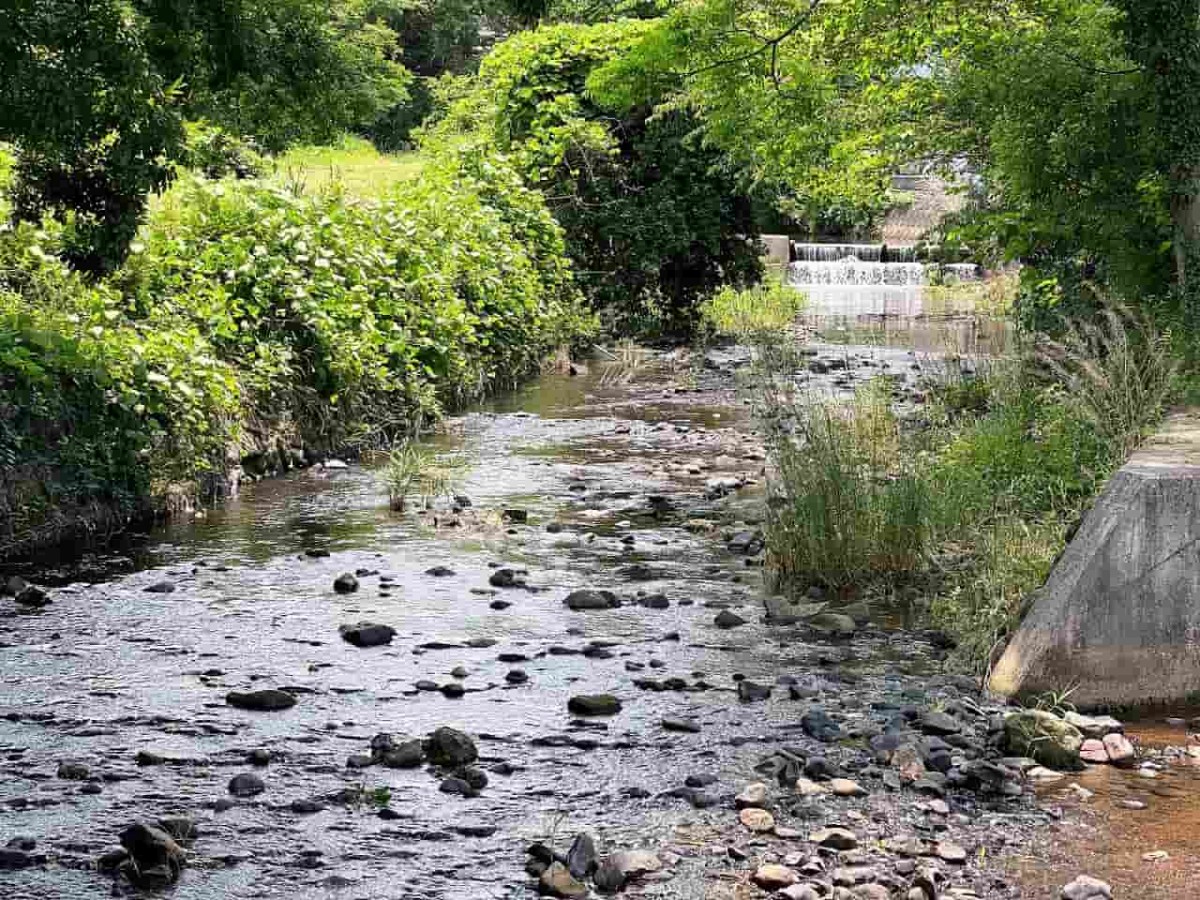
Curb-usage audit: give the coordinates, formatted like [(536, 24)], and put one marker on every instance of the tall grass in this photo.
[(416, 470), (845, 500), (969, 498)]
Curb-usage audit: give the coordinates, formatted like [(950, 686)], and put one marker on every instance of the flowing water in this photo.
[(632, 480)]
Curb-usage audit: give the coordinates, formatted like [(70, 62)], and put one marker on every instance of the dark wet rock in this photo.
[(655, 601), (359, 761), (246, 784), (516, 676), (581, 858), (479, 643), (316, 553), (448, 747), (505, 578), (160, 587), (594, 705), (509, 657), (440, 572), (33, 596), (476, 778), (746, 543), (500, 605), (517, 516), (687, 726), (618, 869), (588, 599), (259, 756), (475, 829), (268, 700), (149, 758), (453, 690), (750, 692), (817, 724), (72, 771), (456, 785), (407, 755), (306, 807), (728, 619), (155, 858), (13, 858), (367, 634), (346, 583), (818, 768)]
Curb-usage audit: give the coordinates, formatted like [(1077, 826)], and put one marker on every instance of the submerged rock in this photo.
[(246, 784), (268, 700), (728, 619), (346, 583), (587, 599), (367, 634), (594, 705)]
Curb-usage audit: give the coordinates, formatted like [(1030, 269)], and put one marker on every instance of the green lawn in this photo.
[(353, 163)]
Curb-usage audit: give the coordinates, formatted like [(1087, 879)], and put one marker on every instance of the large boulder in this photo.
[(1044, 737)]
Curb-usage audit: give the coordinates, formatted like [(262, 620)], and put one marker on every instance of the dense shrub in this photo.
[(656, 221), (247, 311)]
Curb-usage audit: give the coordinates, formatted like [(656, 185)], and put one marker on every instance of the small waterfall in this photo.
[(863, 252), (868, 265)]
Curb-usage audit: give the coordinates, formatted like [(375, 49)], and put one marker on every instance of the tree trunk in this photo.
[(1185, 214)]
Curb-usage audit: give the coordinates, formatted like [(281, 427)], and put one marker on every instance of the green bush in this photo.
[(247, 311), (656, 220)]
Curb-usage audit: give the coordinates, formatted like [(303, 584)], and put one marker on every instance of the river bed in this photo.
[(645, 481)]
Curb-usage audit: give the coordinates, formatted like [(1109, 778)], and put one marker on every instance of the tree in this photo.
[(280, 71), (1080, 114), (91, 118), (655, 220), (93, 94)]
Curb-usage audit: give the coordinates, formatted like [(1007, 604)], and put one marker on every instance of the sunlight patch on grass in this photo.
[(352, 163)]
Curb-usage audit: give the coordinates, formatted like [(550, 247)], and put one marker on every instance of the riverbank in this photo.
[(644, 482), (256, 328)]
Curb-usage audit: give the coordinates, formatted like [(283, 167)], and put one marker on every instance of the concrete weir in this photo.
[(1119, 616)]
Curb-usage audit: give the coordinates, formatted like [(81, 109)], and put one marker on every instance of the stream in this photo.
[(646, 483)]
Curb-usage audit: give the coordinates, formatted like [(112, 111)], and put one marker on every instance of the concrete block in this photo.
[(1119, 616)]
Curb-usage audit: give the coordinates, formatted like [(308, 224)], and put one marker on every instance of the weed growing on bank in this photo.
[(250, 318), (965, 500)]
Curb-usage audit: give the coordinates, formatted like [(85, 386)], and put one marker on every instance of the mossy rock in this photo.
[(1044, 737)]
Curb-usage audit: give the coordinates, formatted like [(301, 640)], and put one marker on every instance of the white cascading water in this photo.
[(862, 265)]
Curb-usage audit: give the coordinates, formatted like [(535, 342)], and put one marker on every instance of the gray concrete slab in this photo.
[(1119, 617)]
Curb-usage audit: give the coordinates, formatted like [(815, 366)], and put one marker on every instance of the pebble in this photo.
[(757, 820)]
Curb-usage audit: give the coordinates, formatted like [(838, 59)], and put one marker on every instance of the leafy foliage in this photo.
[(245, 307), (655, 220)]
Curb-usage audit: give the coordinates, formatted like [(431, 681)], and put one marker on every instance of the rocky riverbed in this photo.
[(305, 695)]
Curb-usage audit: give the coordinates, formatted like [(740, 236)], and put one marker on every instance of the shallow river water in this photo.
[(631, 482)]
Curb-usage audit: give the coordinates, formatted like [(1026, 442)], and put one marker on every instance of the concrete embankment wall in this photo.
[(1119, 616)]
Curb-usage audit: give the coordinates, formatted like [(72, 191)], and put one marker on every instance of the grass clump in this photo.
[(965, 501), (413, 468)]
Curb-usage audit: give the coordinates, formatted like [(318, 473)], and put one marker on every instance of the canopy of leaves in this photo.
[(1066, 109), (655, 219)]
